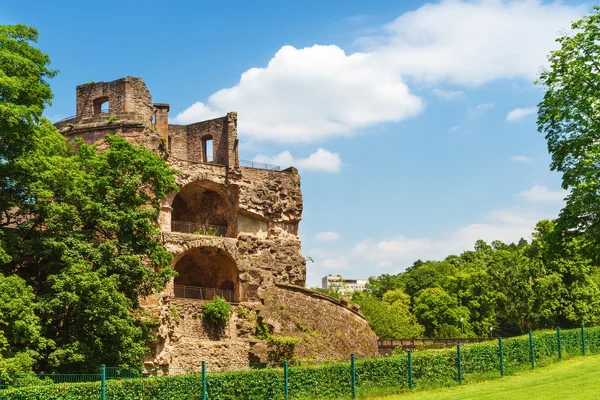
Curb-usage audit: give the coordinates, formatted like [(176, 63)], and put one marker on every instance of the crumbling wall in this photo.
[(260, 262), (327, 328), (125, 95), (274, 195)]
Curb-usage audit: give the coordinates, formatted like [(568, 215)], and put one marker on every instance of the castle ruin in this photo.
[(233, 231)]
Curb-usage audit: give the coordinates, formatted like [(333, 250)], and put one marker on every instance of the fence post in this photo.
[(459, 364), (103, 382), (558, 342), (501, 355), (410, 376), (203, 380), (286, 379), (353, 371), (582, 339), (531, 351)]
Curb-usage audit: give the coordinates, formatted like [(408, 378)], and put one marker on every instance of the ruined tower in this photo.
[(232, 228)]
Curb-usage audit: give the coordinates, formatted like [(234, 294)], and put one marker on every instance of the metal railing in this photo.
[(198, 229), (200, 293), (75, 116), (259, 165)]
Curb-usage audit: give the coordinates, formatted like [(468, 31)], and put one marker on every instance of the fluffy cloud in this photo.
[(304, 95), (474, 42), (309, 94), (448, 94), (541, 194), (524, 159), (479, 110), (327, 236), (520, 113), (320, 160)]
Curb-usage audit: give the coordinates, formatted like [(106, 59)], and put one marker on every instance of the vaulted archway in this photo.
[(206, 272), (199, 208)]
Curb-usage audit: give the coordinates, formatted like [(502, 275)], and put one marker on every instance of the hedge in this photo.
[(431, 368)]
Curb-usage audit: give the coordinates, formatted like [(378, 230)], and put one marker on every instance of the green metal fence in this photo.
[(353, 379)]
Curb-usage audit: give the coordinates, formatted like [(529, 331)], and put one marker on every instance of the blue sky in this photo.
[(412, 123)]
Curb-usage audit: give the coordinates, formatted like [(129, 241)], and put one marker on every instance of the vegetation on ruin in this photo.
[(217, 310), (79, 245)]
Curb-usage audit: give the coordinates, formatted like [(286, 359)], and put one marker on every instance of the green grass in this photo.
[(576, 378)]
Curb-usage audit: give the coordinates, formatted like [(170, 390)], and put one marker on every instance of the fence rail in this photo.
[(351, 379), (198, 229), (259, 165), (387, 346), (201, 293)]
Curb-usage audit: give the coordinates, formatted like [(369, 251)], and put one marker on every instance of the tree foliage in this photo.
[(79, 226)]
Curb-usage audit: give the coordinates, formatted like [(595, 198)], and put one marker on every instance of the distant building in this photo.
[(344, 285)]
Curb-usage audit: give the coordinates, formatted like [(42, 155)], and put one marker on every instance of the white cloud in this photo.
[(520, 113), (320, 160), (540, 194), (309, 94), (455, 128), (474, 42), (479, 110), (327, 236), (448, 94), (194, 113), (524, 159), (506, 225)]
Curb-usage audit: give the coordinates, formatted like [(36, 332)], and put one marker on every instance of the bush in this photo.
[(431, 368), (217, 310)]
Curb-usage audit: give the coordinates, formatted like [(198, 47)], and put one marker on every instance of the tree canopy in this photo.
[(79, 236)]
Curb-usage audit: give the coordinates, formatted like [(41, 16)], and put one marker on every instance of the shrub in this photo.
[(281, 348), (217, 310)]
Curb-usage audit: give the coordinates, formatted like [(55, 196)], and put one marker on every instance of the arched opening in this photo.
[(101, 105), (207, 149), (205, 273), (199, 210)]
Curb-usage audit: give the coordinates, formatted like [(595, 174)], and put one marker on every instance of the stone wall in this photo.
[(328, 328), (260, 262), (223, 133), (274, 195), (125, 95)]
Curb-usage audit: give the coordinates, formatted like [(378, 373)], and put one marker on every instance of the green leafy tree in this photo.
[(441, 314), (390, 318), (569, 116), (79, 221), (21, 338)]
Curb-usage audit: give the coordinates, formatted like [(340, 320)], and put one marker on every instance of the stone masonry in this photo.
[(233, 231)]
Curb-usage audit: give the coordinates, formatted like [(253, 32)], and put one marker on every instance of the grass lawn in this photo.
[(576, 378)]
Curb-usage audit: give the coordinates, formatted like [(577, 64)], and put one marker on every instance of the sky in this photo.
[(413, 124)]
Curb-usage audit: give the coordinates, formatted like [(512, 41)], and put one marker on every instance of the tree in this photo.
[(391, 318), (440, 314), (569, 116), (82, 221), (21, 338), (382, 284)]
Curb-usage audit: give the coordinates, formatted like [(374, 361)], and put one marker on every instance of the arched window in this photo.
[(101, 105)]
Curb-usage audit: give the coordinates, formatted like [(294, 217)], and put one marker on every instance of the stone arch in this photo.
[(203, 207), (205, 272)]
